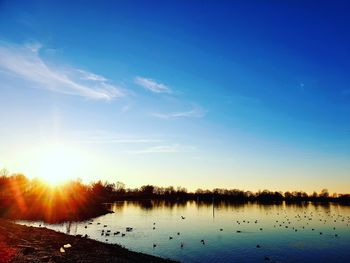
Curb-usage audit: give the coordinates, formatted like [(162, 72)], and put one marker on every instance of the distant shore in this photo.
[(32, 199), (23, 244)]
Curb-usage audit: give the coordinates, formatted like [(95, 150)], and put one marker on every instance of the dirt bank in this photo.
[(29, 244)]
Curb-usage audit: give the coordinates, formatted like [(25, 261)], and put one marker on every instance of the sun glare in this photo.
[(55, 164)]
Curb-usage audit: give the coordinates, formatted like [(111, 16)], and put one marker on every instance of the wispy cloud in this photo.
[(105, 137), (195, 112), (116, 141), (172, 148), (91, 76), (152, 85), (149, 84), (25, 63)]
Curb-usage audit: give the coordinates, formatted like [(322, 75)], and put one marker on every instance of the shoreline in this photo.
[(19, 243)]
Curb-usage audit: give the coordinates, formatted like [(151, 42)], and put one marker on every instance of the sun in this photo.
[(56, 164)]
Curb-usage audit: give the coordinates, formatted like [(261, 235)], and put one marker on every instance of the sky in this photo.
[(201, 94)]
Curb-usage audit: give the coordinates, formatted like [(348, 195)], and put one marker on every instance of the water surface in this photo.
[(223, 232)]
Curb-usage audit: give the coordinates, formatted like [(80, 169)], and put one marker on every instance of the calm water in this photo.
[(274, 231)]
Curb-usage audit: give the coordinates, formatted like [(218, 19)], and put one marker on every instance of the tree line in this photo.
[(76, 198), (22, 198)]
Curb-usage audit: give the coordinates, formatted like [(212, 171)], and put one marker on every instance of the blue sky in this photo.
[(236, 94)]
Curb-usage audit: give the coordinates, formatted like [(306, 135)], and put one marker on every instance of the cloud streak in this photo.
[(116, 141), (172, 148), (105, 137), (195, 112), (152, 85), (25, 63)]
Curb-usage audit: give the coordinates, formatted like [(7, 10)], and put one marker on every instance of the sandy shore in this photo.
[(29, 244)]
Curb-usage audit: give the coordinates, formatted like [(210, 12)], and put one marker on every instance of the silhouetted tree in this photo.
[(324, 194), (24, 198), (146, 190)]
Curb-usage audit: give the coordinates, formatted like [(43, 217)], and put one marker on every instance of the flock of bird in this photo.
[(280, 220), (285, 222), (108, 232)]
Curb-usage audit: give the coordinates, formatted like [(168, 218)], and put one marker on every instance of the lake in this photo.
[(223, 232)]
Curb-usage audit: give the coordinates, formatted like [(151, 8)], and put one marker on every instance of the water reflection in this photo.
[(223, 231)]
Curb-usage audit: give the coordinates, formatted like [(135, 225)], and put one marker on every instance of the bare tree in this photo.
[(4, 172)]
